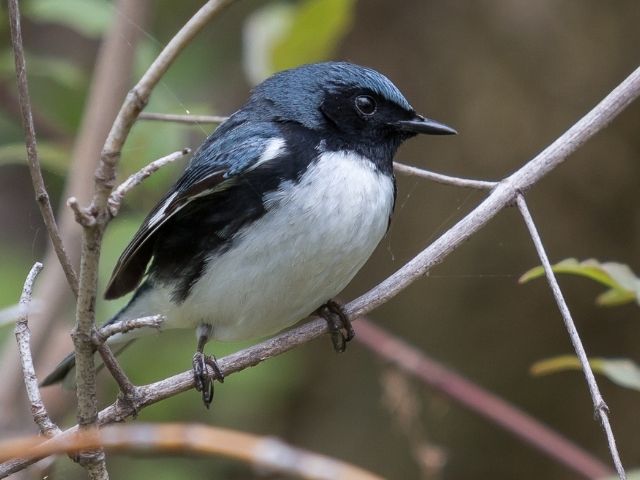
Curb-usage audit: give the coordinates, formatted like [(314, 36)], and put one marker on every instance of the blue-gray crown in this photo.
[(297, 93)]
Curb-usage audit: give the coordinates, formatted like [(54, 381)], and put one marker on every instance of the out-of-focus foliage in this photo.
[(89, 17), (623, 284), (620, 371), (284, 35), (53, 158), (510, 76)]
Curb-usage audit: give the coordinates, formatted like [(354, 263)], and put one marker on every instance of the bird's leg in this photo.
[(204, 382), (338, 321)]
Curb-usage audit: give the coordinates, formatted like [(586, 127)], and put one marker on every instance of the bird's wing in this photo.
[(231, 151)]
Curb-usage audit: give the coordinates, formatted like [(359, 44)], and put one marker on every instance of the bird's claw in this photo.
[(337, 320), (204, 381)]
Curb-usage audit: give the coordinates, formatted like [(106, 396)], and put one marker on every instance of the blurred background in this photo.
[(509, 76)]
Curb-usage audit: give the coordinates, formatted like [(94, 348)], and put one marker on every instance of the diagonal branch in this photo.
[(42, 197), (501, 196), (411, 360), (600, 407)]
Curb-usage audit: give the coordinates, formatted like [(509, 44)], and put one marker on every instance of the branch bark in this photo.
[(175, 438), (42, 196), (501, 196), (600, 407), (23, 337), (411, 360)]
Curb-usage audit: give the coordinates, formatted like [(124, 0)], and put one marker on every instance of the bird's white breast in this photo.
[(316, 235)]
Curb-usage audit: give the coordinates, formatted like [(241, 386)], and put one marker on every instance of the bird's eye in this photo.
[(366, 105)]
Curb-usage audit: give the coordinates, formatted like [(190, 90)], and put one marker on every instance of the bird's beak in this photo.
[(419, 124)]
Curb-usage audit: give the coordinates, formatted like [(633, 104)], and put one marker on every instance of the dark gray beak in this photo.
[(424, 125)]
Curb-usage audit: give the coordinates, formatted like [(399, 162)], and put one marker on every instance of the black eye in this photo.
[(365, 104)]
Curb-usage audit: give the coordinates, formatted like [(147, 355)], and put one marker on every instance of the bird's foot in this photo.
[(339, 325), (204, 381)]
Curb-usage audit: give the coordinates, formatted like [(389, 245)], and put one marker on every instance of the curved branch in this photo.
[(502, 196)]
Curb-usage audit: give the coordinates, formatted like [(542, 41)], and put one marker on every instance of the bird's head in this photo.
[(355, 105)]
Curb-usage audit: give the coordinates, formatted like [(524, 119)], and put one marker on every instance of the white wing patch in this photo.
[(160, 213), (274, 148)]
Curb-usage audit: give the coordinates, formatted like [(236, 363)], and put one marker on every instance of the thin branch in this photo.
[(117, 372), (115, 199), (175, 438), (399, 167), (109, 359), (83, 331), (502, 196), (411, 360), (601, 409), (177, 118), (42, 197), (23, 337), (124, 326), (444, 179)]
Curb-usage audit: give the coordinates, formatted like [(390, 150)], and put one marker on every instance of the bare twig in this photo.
[(444, 179), (263, 452), (115, 199), (601, 409), (23, 337), (117, 372), (92, 235), (109, 82), (42, 197), (503, 195), (176, 118), (109, 359), (479, 400), (124, 326)]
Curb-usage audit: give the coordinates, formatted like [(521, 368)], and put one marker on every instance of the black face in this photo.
[(372, 125), (363, 116)]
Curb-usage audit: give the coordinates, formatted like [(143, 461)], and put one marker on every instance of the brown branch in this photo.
[(600, 407), (502, 196), (176, 118), (411, 360), (92, 235), (23, 337), (42, 197), (444, 179), (111, 75), (109, 359), (175, 438), (115, 199)]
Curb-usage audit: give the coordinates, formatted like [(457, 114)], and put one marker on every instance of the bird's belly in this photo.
[(315, 236)]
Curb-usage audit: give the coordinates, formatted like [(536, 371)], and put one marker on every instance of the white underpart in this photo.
[(314, 238)]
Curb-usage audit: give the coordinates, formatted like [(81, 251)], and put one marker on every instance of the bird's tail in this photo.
[(65, 371)]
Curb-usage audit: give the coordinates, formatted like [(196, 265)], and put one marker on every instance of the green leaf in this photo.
[(59, 70), (284, 35), (88, 17), (624, 285), (621, 371)]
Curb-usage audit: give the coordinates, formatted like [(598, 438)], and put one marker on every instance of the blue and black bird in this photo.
[(274, 215)]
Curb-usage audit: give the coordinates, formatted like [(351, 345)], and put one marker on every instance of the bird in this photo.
[(274, 214)]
